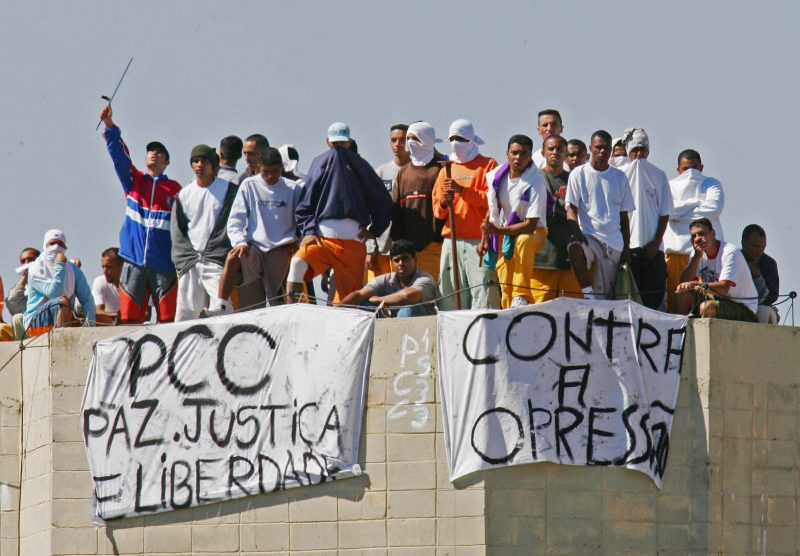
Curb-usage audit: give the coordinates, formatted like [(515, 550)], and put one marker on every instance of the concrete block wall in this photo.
[(10, 435), (731, 484)]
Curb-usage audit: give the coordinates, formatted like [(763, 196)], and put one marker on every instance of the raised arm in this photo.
[(123, 166)]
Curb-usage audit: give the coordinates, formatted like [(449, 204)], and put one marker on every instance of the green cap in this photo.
[(204, 151)]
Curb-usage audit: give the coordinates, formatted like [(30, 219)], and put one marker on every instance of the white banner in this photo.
[(186, 414), (568, 381)]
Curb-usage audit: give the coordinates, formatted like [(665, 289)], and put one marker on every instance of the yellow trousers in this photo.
[(550, 283), (676, 264), (516, 274)]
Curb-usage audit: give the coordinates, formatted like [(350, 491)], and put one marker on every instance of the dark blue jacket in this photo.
[(341, 184)]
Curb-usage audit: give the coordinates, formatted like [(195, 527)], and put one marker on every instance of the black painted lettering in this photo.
[(644, 348), (120, 426), (183, 483), (563, 431), (234, 478), (138, 507), (241, 443), (594, 431), (332, 425), (300, 422), (290, 472), (658, 459), (672, 333), (649, 449), (199, 404), (494, 414), (271, 409), (486, 360), (136, 370), (584, 343), (263, 474), (581, 384), (631, 434), (88, 428), (611, 323), (309, 457), (221, 442), (534, 427), (550, 342), (199, 477), (197, 330), (150, 406), (98, 490), (230, 385)]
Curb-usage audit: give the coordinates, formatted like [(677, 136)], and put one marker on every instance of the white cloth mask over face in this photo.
[(463, 152), (421, 150), (44, 269)]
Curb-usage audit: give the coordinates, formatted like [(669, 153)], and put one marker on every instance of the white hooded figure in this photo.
[(462, 151), (52, 279)]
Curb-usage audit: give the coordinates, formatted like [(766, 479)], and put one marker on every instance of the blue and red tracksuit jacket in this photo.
[(144, 239)]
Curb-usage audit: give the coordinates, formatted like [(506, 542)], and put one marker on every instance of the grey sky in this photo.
[(719, 77)]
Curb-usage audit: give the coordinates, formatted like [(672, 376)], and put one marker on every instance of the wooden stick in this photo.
[(452, 217)]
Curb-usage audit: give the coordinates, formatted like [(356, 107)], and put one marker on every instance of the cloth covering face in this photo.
[(463, 152), (652, 197), (694, 196), (421, 151), (44, 269)]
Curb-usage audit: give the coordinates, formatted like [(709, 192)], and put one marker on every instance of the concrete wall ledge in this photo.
[(731, 485)]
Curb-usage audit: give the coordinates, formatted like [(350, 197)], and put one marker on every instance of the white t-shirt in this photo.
[(599, 197), (106, 294), (202, 206), (730, 266), (652, 197), (387, 172), (618, 161), (693, 196), (509, 198), (264, 214)]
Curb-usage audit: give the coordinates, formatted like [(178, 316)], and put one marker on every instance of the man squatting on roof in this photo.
[(516, 224), (726, 289), (145, 244), (343, 204), (764, 271), (407, 285)]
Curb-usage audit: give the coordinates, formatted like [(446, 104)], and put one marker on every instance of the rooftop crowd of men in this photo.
[(421, 232)]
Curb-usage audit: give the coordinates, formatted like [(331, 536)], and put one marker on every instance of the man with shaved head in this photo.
[(548, 123)]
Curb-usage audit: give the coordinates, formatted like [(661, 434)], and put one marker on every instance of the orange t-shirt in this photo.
[(470, 205)]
